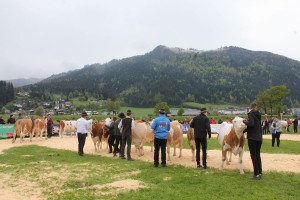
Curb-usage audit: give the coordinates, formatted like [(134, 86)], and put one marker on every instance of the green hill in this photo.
[(229, 75)]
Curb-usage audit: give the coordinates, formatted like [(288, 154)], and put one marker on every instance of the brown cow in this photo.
[(191, 141), (98, 130), (231, 138), (22, 127), (39, 127), (175, 137)]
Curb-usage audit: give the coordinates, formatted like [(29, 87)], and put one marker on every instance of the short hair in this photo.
[(253, 105)]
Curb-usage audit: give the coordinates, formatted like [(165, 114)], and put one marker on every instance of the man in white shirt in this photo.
[(82, 131)]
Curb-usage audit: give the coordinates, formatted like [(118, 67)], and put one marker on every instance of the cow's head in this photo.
[(238, 124)]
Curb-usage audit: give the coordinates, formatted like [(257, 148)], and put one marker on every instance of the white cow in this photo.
[(231, 138), (175, 137), (140, 135), (67, 126)]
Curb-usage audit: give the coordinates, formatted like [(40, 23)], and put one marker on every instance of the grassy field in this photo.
[(286, 146), (60, 174)]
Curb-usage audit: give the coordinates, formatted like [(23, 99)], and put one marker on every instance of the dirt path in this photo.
[(271, 162)]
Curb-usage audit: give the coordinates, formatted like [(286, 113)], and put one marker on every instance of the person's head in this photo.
[(121, 115), (114, 119), (253, 106), (162, 111), (129, 113), (84, 114), (49, 116), (20, 114), (204, 111)]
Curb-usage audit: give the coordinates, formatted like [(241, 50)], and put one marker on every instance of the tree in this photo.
[(272, 99), (39, 111), (112, 105), (180, 111), (161, 105)]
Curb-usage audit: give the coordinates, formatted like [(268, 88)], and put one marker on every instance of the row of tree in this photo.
[(6, 93)]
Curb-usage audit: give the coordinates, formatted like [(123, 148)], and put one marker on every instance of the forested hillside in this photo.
[(6, 92), (227, 75)]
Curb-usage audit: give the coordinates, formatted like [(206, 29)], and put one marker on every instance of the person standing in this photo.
[(161, 127), (185, 126), (111, 139), (49, 126), (82, 131), (265, 125), (295, 124), (2, 120), (201, 127), (117, 134), (276, 131), (11, 119), (126, 125), (254, 136)]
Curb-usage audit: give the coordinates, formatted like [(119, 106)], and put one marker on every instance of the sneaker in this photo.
[(204, 167), (122, 157), (130, 159), (155, 165), (199, 166), (257, 177), (163, 165)]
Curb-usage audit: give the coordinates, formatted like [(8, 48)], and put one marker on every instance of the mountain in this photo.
[(226, 75), (23, 81)]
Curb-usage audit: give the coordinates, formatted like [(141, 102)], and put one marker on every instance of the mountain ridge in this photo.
[(225, 75)]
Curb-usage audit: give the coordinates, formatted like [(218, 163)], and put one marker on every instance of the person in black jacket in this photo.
[(254, 136), (295, 123), (117, 134), (11, 119), (201, 127), (111, 139)]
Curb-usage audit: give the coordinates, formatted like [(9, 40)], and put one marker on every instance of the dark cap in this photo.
[(83, 114), (203, 110), (162, 111), (121, 115)]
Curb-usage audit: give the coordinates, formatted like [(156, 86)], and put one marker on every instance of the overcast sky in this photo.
[(39, 38)]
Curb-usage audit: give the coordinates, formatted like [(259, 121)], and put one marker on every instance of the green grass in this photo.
[(63, 174), (286, 146)]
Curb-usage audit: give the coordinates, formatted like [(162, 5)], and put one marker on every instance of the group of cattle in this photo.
[(230, 136), (24, 127)]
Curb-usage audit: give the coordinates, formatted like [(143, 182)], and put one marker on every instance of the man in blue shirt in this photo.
[(161, 127)]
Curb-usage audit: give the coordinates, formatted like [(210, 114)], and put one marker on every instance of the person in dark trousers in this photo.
[(201, 127), (82, 131), (49, 126), (111, 139), (276, 131), (117, 134), (266, 125), (11, 119), (161, 127), (126, 125), (295, 124), (254, 136)]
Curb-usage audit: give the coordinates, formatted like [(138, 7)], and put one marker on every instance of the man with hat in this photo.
[(117, 134), (82, 131), (161, 127), (126, 125), (201, 127)]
